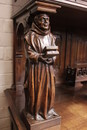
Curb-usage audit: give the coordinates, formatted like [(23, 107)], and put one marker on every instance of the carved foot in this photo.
[(38, 117), (51, 113)]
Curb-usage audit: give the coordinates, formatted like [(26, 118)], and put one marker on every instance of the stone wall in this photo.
[(6, 59)]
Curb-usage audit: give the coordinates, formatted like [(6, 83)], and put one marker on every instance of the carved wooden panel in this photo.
[(19, 55), (73, 51)]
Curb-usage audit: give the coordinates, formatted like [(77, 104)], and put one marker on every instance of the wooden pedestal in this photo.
[(50, 124)]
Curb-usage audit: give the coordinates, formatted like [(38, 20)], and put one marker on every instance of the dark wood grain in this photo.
[(11, 96)]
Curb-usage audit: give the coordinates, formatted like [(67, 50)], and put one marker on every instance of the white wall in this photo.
[(6, 59)]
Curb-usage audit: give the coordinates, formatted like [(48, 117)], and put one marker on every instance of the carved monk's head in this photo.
[(42, 21)]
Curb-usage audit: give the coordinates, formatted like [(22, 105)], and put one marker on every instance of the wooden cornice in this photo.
[(49, 6), (33, 6)]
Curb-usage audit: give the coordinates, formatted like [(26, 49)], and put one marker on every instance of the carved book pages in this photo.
[(51, 51)]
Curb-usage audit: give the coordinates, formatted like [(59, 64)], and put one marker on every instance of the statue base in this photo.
[(49, 124)]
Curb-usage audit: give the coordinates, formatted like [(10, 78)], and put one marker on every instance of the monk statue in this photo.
[(41, 52)]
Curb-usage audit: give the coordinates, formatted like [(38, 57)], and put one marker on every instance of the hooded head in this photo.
[(42, 21)]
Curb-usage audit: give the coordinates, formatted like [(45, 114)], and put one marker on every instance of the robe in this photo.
[(40, 78)]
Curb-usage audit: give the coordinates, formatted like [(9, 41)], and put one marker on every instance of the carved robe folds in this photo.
[(40, 79)]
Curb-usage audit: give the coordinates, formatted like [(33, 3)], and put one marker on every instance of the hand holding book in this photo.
[(50, 51)]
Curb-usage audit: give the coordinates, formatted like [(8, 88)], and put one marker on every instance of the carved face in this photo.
[(43, 21)]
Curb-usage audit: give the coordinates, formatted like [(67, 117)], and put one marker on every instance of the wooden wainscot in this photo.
[(76, 76), (15, 107)]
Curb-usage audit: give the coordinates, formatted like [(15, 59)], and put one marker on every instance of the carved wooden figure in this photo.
[(41, 52)]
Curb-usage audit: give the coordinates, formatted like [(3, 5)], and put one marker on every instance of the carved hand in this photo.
[(46, 60)]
